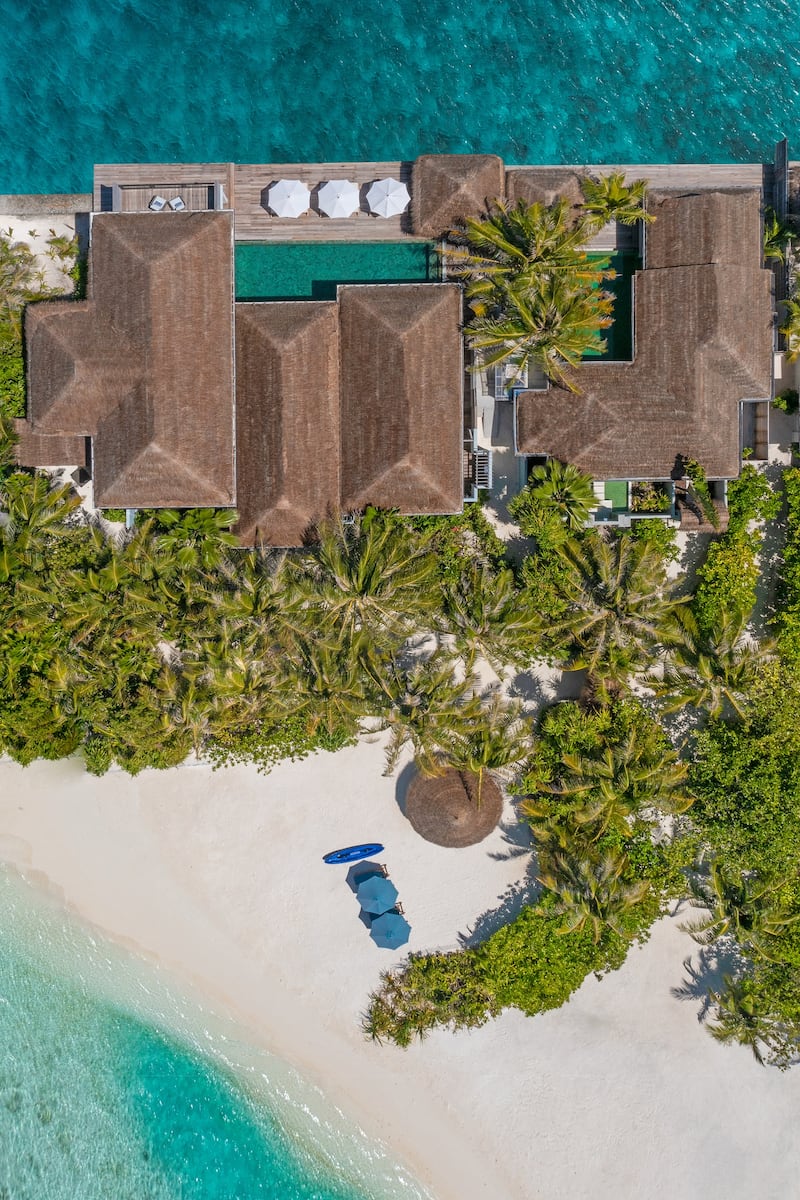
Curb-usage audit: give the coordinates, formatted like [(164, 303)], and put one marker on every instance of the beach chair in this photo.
[(177, 204), (157, 203)]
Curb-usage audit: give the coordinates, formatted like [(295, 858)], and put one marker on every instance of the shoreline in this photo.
[(216, 876), (172, 927)]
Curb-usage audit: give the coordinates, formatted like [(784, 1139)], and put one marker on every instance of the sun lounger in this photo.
[(157, 203)]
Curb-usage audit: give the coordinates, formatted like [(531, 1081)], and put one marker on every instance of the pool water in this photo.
[(312, 270), (619, 335)]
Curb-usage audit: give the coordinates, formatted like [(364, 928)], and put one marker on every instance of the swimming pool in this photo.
[(312, 270)]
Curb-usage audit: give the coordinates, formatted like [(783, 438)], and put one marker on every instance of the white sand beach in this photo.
[(34, 231), (218, 876)]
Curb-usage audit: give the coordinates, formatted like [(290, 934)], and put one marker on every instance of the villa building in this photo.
[(175, 389)]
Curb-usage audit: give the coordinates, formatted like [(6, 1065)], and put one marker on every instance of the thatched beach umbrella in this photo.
[(444, 808)]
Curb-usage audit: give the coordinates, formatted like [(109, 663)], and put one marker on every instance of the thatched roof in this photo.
[(48, 449), (447, 188), (401, 388), (444, 808), (703, 344), (145, 366), (287, 419), (693, 228), (544, 185)]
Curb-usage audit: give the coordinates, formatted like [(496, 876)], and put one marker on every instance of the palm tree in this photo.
[(370, 575), (36, 512), (497, 739), (558, 489), (526, 242), (791, 327), (592, 892), (491, 617), (616, 783), (609, 198), (324, 681), (198, 537), (426, 706), (619, 603), (739, 1019), (553, 327), (713, 671), (777, 236), (739, 907)]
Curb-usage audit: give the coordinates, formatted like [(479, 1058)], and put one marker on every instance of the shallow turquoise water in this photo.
[(320, 80), (270, 270), (97, 1104)]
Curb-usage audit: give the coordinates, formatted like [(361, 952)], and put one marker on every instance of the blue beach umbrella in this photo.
[(390, 931), (377, 894)]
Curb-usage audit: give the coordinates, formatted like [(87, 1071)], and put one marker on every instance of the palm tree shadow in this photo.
[(705, 973), (517, 896)]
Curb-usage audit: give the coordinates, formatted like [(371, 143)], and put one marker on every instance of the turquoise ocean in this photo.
[(550, 81), (107, 1090), (115, 1085)]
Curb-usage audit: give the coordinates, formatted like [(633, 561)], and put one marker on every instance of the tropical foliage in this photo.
[(536, 295), (554, 489), (610, 198), (618, 602)]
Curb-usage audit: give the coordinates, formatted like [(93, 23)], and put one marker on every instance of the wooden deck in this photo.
[(254, 223), (135, 185), (680, 175), (129, 187)]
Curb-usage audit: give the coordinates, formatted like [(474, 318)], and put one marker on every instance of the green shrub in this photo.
[(726, 580), (12, 380), (266, 744), (659, 535), (728, 577), (787, 401)]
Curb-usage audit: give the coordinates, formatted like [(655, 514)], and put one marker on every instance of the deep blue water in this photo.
[(87, 81)]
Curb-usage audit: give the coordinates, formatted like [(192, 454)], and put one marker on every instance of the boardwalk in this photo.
[(129, 187)]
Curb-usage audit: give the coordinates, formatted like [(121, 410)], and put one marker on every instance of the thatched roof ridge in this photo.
[(287, 435), (34, 449), (444, 808), (722, 226), (79, 366), (703, 343), (448, 188), (401, 387), (145, 365), (544, 185)]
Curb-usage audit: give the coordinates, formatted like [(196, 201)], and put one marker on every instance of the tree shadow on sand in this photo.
[(518, 841), (705, 972)]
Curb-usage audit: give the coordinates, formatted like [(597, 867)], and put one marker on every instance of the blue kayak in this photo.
[(353, 853)]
